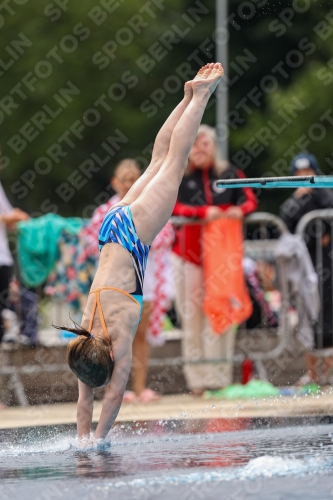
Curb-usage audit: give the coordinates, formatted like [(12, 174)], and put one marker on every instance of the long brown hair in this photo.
[(89, 357)]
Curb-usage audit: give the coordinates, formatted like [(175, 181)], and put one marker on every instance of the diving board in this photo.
[(312, 181)]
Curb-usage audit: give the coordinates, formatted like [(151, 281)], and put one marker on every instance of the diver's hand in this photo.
[(86, 442)]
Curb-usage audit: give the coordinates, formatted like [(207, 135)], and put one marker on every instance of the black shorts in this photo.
[(5, 276)]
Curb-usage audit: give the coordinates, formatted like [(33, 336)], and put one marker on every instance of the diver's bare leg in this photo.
[(155, 205), (161, 145)]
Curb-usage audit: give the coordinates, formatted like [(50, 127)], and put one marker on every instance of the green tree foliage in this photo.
[(85, 84)]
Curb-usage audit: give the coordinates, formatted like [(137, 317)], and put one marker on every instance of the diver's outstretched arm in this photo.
[(122, 351), (85, 406)]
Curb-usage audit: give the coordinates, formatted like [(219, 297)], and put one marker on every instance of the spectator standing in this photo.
[(9, 217), (124, 176), (199, 198), (303, 201)]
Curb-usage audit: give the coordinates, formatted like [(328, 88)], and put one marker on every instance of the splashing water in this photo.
[(157, 457)]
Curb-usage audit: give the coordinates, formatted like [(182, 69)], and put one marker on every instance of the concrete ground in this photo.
[(175, 407)]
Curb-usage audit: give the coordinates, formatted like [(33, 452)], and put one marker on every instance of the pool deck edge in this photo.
[(174, 407)]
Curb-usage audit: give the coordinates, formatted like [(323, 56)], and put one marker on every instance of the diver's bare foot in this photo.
[(202, 73), (188, 91), (207, 79)]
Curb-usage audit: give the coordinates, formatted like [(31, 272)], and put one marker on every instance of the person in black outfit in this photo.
[(303, 201)]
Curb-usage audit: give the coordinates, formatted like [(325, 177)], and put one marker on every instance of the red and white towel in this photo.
[(157, 286)]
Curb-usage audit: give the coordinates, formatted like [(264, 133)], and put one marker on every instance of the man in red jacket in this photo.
[(200, 198)]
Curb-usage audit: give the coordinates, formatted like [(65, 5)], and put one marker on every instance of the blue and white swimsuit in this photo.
[(118, 227)]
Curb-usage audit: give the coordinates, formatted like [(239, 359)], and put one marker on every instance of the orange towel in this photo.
[(227, 301)]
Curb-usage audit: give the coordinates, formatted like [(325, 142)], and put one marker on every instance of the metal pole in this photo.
[(222, 36)]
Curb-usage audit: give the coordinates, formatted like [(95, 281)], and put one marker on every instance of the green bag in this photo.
[(38, 245), (254, 389)]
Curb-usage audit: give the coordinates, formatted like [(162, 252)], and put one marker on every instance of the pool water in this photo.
[(279, 459)]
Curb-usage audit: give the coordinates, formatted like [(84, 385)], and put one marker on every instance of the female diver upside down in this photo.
[(102, 353)]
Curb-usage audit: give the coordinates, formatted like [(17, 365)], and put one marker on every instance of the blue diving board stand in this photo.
[(312, 181)]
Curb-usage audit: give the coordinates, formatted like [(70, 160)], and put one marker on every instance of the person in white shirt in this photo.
[(9, 217)]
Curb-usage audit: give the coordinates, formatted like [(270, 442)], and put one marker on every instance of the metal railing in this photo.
[(321, 220), (260, 248)]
